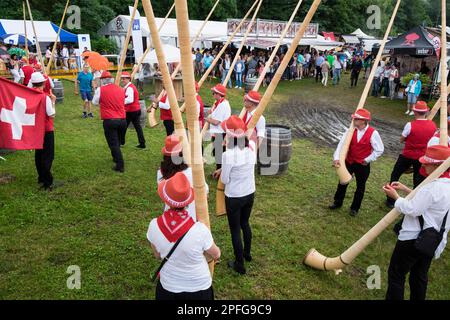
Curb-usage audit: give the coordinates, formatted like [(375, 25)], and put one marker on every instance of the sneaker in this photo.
[(353, 212), (239, 268), (411, 113), (84, 116), (140, 146), (248, 257), (90, 115), (334, 206), (118, 169), (236, 87), (407, 112)]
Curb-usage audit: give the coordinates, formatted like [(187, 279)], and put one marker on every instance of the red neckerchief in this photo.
[(216, 104), (174, 224), (445, 175), (248, 117)]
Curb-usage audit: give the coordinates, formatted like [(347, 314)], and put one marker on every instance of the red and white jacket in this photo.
[(164, 106), (260, 128)]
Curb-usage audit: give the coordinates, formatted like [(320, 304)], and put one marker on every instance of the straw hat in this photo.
[(176, 192), (421, 106), (220, 89), (37, 77), (126, 74), (253, 96), (106, 75), (173, 146), (435, 155)]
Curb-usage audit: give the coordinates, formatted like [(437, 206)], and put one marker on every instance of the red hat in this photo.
[(253, 96), (220, 89), (37, 67), (197, 87), (435, 155), (234, 127), (106, 75), (126, 74), (173, 146), (362, 114), (421, 106), (176, 192)]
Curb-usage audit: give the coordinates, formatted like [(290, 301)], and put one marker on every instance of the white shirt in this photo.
[(432, 202), (337, 63), (379, 72), (164, 105), (96, 98), (375, 141), (48, 54), (227, 64), (260, 125), (187, 269), (65, 53), (221, 113), (238, 172), (129, 94), (190, 208), (435, 141), (49, 108), (407, 129)]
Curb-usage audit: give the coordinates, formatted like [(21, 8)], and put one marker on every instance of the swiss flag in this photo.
[(22, 116)]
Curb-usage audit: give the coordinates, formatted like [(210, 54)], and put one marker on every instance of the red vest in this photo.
[(112, 102), (247, 118), (165, 114), (47, 85), (27, 71), (201, 116), (359, 151), (416, 143), (134, 106)]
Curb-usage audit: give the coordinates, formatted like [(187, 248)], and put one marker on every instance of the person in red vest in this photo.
[(365, 147), (436, 139), (251, 102), (415, 136), (49, 84), (111, 99), (133, 109), (27, 71), (165, 114), (44, 158)]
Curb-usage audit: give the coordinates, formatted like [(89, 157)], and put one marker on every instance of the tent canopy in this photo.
[(351, 39), (416, 42), (360, 34), (46, 30)]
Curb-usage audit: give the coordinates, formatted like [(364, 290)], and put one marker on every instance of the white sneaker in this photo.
[(411, 113), (407, 112), (236, 87)]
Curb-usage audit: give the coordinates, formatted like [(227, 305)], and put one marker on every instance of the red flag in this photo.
[(22, 116), (329, 36)]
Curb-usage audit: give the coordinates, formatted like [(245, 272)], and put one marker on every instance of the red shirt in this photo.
[(112, 102), (416, 142), (27, 71), (359, 151), (134, 106)]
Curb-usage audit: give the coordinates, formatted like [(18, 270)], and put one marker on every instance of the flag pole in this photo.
[(38, 47)]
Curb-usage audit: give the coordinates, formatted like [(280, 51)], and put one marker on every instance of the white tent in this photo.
[(360, 34), (171, 53)]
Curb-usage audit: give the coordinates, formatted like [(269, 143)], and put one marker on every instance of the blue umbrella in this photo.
[(16, 39)]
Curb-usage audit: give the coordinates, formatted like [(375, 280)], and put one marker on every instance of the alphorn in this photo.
[(147, 51), (198, 173), (444, 93), (25, 29), (38, 47), (168, 84), (125, 44), (224, 48), (152, 114), (49, 65), (230, 72), (344, 176), (318, 261)]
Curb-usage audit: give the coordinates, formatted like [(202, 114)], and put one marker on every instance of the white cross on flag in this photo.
[(22, 117)]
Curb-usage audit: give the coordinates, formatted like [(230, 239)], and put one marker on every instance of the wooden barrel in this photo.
[(250, 83), (177, 85), (143, 119), (58, 91), (275, 151)]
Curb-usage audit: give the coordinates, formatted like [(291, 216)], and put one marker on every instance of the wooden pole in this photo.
[(147, 51), (274, 53), (49, 65), (125, 45), (437, 107), (168, 84), (444, 93), (25, 27), (38, 48), (344, 176)]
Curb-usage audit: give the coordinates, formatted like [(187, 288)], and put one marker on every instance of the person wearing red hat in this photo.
[(251, 102), (415, 136), (436, 139), (111, 99), (44, 157), (173, 163), (165, 113), (238, 176), (365, 147), (49, 84), (185, 273), (220, 112), (426, 212), (27, 71), (132, 109)]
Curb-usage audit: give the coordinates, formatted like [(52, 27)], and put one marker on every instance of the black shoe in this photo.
[(84, 115), (334, 206), (353, 212), (248, 257), (90, 115), (119, 169), (237, 267), (141, 146)]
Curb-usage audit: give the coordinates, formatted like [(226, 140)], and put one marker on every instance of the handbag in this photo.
[(429, 239), (166, 258)]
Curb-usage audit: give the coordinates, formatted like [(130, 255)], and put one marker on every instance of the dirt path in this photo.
[(326, 124)]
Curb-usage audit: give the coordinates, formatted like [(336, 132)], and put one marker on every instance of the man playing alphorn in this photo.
[(165, 114), (415, 135), (365, 147), (428, 209), (251, 102), (220, 112), (133, 109)]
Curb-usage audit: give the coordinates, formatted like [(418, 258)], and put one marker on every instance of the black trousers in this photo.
[(163, 294), (406, 259), (218, 148), (114, 130), (401, 166), (318, 73), (238, 213), (170, 127), (44, 159), (361, 174), (135, 118), (354, 78)]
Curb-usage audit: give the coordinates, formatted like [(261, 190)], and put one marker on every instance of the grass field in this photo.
[(98, 219)]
